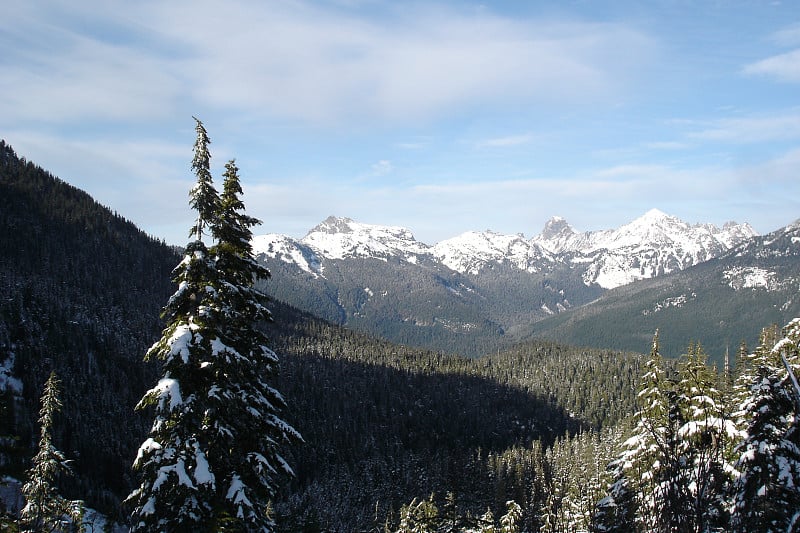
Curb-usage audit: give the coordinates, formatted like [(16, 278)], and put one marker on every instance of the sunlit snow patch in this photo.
[(750, 278)]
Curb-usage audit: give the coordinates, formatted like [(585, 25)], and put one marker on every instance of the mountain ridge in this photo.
[(653, 244), (479, 291)]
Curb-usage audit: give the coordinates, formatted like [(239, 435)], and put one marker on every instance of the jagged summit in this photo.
[(333, 224), (556, 228), (341, 237), (473, 251)]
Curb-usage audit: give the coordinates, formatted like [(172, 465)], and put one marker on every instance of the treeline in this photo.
[(384, 424), (705, 451)]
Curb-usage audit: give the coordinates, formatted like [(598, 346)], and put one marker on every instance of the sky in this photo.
[(442, 117)]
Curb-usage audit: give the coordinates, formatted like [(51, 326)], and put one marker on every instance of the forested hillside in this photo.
[(82, 290), (384, 424)]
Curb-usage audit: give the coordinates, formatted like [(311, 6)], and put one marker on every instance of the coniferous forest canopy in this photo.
[(538, 437)]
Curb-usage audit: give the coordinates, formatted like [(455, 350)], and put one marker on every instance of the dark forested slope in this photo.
[(82, 289)]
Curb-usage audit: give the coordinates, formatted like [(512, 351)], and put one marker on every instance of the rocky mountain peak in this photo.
[(338, 238), (333, 224), (556, 228)]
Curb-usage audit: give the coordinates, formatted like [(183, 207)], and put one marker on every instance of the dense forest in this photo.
[(538, 437)]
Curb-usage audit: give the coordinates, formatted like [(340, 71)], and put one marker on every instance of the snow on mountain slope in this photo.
[(339, 238), (652, 245), (781, 247), (287, 250), (472, 251), (784, 242)]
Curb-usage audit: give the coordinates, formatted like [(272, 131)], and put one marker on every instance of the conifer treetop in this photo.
[(203, 197)]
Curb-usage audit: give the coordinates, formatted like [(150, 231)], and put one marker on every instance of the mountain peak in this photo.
[(334, 224), (338, 238), (655, 217), (656, 214), (556, 227)]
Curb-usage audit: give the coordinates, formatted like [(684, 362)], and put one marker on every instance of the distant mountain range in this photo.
[(651, 245), (480, 290)]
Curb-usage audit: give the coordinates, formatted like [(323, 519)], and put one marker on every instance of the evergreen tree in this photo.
[(211, 461), (704, 435), (203, 197), (45, 509), (616, 512), (486, 522), (648, 490), (767, 491), (510, 522), (419, 517), (247, 427)]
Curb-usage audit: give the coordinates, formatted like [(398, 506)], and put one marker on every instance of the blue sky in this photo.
[(440, 117)]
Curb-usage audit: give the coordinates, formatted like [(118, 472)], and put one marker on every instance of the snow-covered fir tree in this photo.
[(510, 522), (767, 491), (707, 428), (211, 461), (649, 488), (45, 509), (247, 427)]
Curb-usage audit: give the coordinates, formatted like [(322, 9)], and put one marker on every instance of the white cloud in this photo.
[(788, 36), (382, 167), (666, 145), (780, 171), (323, 64), (70, 73), (784, 67), (511, 140), (752, 129)]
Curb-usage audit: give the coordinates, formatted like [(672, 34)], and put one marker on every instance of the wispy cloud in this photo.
[(784, 67), (752, 129), (382, 167), (788, 36), (72, 72), (511, 140), (303, 60), (666, 145)]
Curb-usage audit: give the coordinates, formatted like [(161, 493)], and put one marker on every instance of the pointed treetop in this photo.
[(654, 351), (203, 197)]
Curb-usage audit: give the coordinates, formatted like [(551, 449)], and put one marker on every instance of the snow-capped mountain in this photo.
[(491, 287), (782, 243), (719, 303), (289, 251), (340, 238), (473, 251), (652, 245)]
